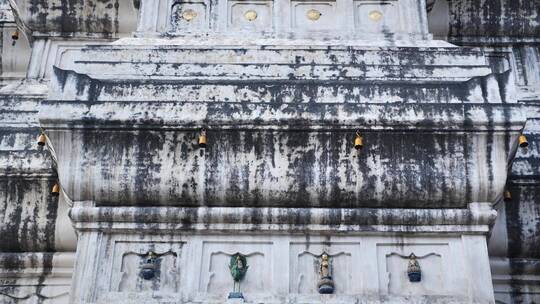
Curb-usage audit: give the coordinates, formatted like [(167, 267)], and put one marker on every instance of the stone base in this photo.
[(326, 285), (523, 287), (236, 295), (415, 277), (326, 289), (193, 263)]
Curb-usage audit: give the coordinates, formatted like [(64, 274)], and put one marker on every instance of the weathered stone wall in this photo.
[(75, 16), (494, 20), (35, 229), (369, 250), (514, 26), (419, 146), (439, 124), (37, 241), (280, 117)]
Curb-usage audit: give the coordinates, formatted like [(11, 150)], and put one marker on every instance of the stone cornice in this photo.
[(308, 117), (476, 219)]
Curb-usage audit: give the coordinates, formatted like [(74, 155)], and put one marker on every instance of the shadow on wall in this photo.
[(438, 18)]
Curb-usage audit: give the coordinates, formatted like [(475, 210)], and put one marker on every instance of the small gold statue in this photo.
[(324, 271), (325, 284)]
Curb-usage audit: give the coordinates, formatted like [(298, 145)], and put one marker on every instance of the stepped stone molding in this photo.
[(293, 101), (35, 277), (476, 218)]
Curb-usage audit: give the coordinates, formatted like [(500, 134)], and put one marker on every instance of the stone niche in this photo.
[(304, 266), (215, 276), (437, 266), (130, 256), (119, 272)]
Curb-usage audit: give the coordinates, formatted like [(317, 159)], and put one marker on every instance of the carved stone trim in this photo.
[(364, 219)]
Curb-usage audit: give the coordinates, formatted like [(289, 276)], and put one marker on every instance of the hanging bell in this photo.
[(358, 141), (507, 196), (55, 189), (202, 139), (15, 35), (523, 141), (42, 139)]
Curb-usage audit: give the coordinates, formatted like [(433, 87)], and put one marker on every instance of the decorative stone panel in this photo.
[(314, 15), (304, 262), (189, 16), (215, 276), (377, 16), (439, 269), (248, 15), (283, 263), (129, 257), (316, 20)]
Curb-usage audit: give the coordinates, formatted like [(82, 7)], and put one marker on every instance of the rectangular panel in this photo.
[(305, 267), (314, 15), (377, 16), (189, 16), (438, 270), (216, 276), (250, 15), (129, 259)]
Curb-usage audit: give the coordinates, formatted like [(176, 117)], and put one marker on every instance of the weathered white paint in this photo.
[(281, 256), (444, 145)]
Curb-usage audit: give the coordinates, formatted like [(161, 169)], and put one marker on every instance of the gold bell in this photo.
[(42, 139), (507, 196), (55, 190), (358, 141), (15, 35), (523, 141), (202, 139)]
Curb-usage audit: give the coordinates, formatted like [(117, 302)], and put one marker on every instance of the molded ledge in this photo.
[(477, 218), (313, 116)]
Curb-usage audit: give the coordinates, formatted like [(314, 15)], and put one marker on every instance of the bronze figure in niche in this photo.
[(149, 267), (413, 269)]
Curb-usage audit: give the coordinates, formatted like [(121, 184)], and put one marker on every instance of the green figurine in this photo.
[(238, 267)]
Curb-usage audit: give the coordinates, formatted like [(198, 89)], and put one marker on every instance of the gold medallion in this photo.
[(375, 16), (313, 15), (250, 15), (189, 15)]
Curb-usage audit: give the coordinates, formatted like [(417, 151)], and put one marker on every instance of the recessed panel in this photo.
[(314, 15), (130, 260), (189, 16), (251, 15), (305, 267), (216, 258), (439, 271), (377, 16)]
